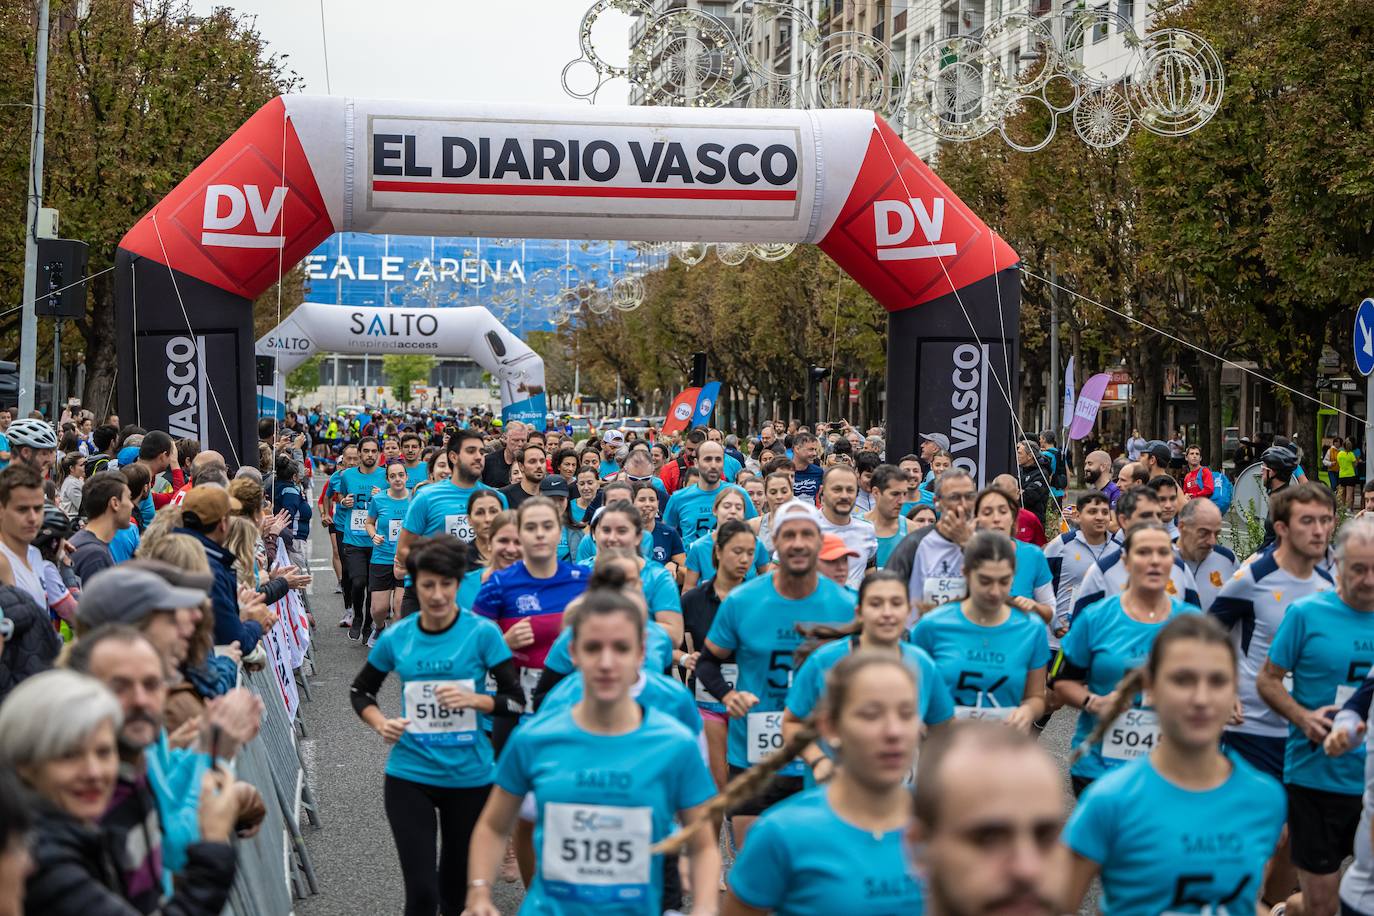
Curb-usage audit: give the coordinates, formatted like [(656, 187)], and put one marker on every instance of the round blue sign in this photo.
[(1364, 337)]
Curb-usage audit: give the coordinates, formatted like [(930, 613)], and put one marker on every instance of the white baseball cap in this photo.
[(794, 510)]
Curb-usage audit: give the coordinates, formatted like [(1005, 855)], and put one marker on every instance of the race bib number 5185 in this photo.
[(596, 853)]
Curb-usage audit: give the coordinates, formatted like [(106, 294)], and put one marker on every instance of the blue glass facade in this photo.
[(513, 278)]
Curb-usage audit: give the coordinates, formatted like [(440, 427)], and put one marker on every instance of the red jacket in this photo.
[(1199, 482)]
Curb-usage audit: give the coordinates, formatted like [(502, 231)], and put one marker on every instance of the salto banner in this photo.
[(473, 332), (304, 167)]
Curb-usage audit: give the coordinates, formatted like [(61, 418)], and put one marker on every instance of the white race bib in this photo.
[(1134, 734), (459, 527), (393, 530), (944, 589), (431, 722), (596, 853), (529, 679), (729, 671), (357, 521), (764, 735), (1343, 693), (983, 712)]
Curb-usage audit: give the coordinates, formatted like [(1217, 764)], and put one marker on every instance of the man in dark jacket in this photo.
[(28, 643), (1034, 476), (205, 516)]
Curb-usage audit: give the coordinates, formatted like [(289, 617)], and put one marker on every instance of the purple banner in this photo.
[(1089, 399)]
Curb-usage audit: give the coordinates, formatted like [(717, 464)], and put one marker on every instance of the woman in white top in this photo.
[(73, 469), (777, 489)]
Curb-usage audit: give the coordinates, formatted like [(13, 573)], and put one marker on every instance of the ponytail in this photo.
[(1130, 685), (814, 637), (743, 787), (754, 780)]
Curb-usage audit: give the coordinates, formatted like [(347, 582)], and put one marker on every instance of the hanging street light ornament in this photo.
[(1079, 63)]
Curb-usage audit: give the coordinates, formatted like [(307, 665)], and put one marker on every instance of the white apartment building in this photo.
[(795, 65)]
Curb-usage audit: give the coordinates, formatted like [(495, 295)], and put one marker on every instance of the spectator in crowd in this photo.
[(21, 515), (28, 643), (496, 466), (806, 473), (205, 517), (1028, 526), (1199, 482), (931, 445), (1097, 473), (58, 730), (15, 861), (73, 468), (1033, 478), (107, 506)]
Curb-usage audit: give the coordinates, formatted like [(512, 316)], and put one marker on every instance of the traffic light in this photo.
[(814, 376), (63, 263)]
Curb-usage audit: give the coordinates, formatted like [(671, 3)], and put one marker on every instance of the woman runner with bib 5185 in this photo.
[(837, 848), (608, 777)]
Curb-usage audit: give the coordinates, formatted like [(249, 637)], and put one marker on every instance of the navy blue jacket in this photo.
[(224, 596)]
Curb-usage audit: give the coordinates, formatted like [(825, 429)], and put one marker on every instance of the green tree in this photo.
[(305, 378), (402, 372), (139, 93)]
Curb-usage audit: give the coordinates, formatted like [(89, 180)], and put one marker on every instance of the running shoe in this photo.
[(355, 632), (347, 620)]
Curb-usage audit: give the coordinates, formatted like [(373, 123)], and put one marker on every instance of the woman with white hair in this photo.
[(58, 732)]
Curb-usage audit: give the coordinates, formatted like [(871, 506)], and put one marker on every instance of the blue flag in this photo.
[(706, 402)]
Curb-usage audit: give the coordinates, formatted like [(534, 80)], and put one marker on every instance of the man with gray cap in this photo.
[(932, 443), (758, 624), (166, 614)]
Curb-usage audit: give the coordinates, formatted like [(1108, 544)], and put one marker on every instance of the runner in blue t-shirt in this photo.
[(839, 847), (621, 526), (412, 448), (879, 627), (385, 513), (757, 624), (442, 508), (356, 487), (728, 505), (607, 776), (992, 656), (1326, 641), (1185, 828), (1105, 642), (691, 509), (441, 762)]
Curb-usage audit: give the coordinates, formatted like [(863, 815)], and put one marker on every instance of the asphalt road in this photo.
[(354, 857)]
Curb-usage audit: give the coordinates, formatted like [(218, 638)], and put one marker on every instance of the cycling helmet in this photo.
[(1280, 460), (56, 526), (31, 433)]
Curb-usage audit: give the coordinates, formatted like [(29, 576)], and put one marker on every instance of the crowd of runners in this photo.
[(785, 671)]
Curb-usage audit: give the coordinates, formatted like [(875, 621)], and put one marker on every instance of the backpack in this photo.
[(1059, 479), (1221, 491)]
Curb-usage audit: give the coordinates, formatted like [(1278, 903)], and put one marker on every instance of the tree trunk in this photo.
[(101, 360), (1212, 445)]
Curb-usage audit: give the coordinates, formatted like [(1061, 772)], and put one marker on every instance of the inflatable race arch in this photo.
[(305, 167), (316, 327)]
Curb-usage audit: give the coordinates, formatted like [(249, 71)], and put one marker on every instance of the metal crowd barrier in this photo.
[(274, 867)]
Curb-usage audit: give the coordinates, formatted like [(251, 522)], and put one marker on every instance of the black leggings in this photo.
[(410, 807), (355, 561)]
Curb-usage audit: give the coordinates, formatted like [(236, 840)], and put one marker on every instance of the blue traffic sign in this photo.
[(1364, 337)]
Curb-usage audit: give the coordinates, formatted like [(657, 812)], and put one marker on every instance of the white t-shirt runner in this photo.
[(28, 573)]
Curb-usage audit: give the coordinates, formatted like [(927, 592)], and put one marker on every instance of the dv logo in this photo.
[(218, 222), (891, 240), (683, 413), (704, 408)]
